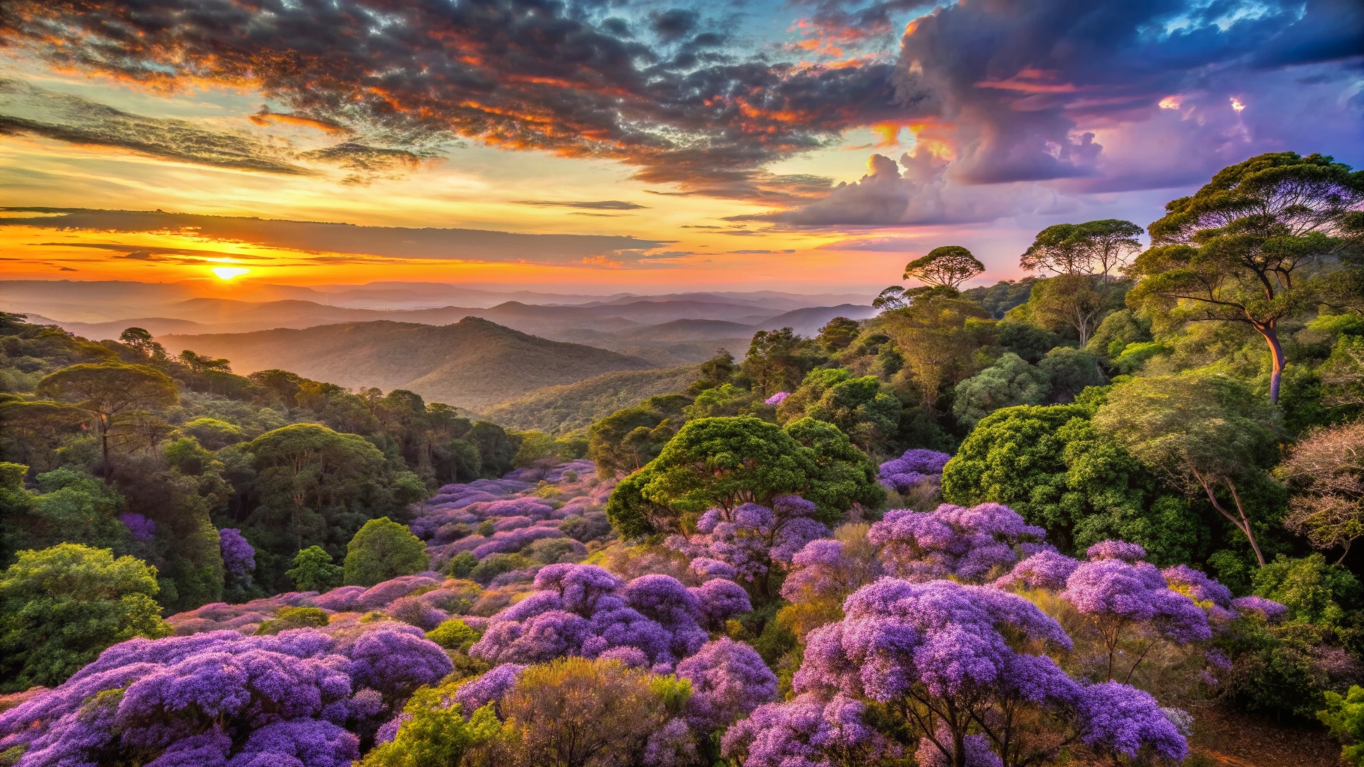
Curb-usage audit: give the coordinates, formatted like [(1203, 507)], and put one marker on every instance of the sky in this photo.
[(643, 145)]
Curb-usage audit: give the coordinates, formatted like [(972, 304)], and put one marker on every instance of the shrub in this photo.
[(381, 550)]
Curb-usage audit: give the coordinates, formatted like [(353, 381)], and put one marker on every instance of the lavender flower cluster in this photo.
[(750, 540), (221, 699), (239, 558), (653, 621), (964, 543), (915, 466)]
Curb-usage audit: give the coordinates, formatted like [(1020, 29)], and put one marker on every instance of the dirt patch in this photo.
[(1230, 739)]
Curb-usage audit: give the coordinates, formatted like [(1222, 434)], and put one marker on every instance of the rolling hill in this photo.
[(562, 409), (472, 364)]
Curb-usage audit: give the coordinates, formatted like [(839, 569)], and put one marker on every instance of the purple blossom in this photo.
[(671, 746), (823, 571), (977, 748), (1127, 552), (728, 680), (1268, 609), (706, 569), (207, 749), (489, 688), (806, 732), (388, 732), (965, 543), (239, 558), (915, 466), (311, 743), (1116, 593), (720, 600), (778, 398), (1116, 719), (1046, 570), (139, 527), (395, 660), (752, 539)]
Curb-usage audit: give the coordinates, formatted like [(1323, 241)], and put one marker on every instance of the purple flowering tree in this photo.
[(139, 527), (808, 732), (728, 680), (968, 544), (296, 697), (753, 540), (915, 466), (1126, 600), (583, 610), (1046, 570), (945, 660), (824, 573), (239, 558)]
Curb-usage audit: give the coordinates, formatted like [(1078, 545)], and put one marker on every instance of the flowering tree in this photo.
[(239, 559), (753, 540), (583, 610), (824, 573), (806, 731), (966, 544), (1125, 599), (300, 695), (728, 680), (915, 466), (943, 661)]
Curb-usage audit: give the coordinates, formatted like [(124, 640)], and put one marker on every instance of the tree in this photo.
[(110, 391), (1250, 246), (948, 266), (577, 712), (1327, 468), (142, 342), (1205, 431), (1344, 717), (383, 549), (434, 733), (938, 337), (726, 462), (777, 360), (1086, 259), (629, 438), (838, 333), (61, 607), (857, 406), (890, 299), (203, 364), (1009, 381), (1051, 465)]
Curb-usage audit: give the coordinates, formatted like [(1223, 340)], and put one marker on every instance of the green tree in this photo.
[(1314, 591), (1069, 372), (435, 733), (1009, 381), (383, 549), (142, 342), (1251, 246), (110, 392), (61, 607), (1344, 717), (313, 570), (777, 360), (856, 405), (838, 334), (1050, 465), (948, 267), (1206, 432), (729, 461), (939, 337), (32, 431), (1086, 259), (627, 439)]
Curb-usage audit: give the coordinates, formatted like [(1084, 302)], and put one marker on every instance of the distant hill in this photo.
[(807, 322), (562, 409), (471, 364)]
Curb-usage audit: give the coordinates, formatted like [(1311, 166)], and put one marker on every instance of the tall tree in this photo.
[(1086, 259), (1206, 432), (141, 341), (110, 391), (1327, 470), (938, 337), (948, 266), (1252, 245)]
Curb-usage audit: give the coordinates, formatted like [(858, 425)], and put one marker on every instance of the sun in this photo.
[(228, 272)]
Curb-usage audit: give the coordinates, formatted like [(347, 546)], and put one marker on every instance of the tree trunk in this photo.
[(1243, 523), (104, 444), (1271, 336)]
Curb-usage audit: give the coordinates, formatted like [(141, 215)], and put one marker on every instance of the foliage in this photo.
[(627, 439), (938, 337), (777, 360), (1245, 246), (61, 607), (113, 394), (293, 618), (381, 550), (1313, 591), (1009, 381), (726, 462), (434, 733), (313, 570), (947, 266), (859, 407), (1344, 717), (1327, 469)]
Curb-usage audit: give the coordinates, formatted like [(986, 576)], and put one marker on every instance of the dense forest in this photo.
[(1072, 519)]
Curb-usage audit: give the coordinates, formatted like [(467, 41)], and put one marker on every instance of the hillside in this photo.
[(471, 364), (561, 409)]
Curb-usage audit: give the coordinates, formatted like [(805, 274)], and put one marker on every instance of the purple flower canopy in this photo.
[(822, 570), (1127, 552), (903, 473), (239, 558), (1046, 570), (586, 611), (750, 540), (285, 697), (777, 399), (1116, 591), (964, 543), (806, 732), (1268, 609), (728, 680), (139, 527)]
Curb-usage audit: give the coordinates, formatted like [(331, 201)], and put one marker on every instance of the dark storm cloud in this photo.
[(522, 74), (315, 237)]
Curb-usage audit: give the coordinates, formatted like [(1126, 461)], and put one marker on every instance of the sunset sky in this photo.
[(809, 145)]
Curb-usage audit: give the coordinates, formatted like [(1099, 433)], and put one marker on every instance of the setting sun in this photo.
[(229, 272)]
